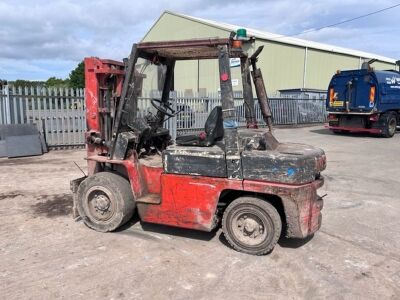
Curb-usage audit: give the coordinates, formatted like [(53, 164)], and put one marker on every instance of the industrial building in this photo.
[(288, 63)]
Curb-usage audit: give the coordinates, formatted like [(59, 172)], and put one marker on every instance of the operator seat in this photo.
[(213, 131)]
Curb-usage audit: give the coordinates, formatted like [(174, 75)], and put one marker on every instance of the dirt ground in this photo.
[(44, 254)]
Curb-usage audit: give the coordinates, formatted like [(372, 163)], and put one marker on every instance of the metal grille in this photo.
[(194, 110), (60, 113)]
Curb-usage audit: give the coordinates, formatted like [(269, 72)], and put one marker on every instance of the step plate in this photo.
[(150, 199)]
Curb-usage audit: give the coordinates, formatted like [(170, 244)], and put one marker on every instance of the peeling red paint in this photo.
[(191, 201)]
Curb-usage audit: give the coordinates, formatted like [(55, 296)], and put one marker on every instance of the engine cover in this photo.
[(288, 163)]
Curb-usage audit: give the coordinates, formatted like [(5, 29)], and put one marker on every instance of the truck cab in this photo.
[(364, 101)]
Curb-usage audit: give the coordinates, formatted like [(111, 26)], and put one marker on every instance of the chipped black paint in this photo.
[(209, 161)]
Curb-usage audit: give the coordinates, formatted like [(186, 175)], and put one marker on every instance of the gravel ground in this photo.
[(44, 254)]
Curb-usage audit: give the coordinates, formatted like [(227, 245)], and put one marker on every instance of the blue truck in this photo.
[(364, 100)]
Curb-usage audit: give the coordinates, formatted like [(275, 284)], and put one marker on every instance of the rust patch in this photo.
[(54, 205)]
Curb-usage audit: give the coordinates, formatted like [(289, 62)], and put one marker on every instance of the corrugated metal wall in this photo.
[(170, 27), (322, 65), (283, 65)]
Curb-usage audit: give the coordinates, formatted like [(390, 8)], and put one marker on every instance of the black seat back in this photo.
[(214, 127), (213, 131)]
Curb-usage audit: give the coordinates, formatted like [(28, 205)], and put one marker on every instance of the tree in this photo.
[(77, 76), (26, 83), (57, 82)]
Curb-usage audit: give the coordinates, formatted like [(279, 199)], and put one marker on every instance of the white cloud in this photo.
[(50, 37)]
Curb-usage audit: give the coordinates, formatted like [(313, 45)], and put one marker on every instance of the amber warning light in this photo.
[(372, 94), (331, 96)]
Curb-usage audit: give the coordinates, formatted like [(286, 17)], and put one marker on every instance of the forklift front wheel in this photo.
[(251, 225), (105, 201)]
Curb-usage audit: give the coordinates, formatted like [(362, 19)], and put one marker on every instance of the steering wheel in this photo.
[(163, 107)]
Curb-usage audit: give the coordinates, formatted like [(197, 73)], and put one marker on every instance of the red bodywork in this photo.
[(373, 118), (190, 201), (355, 129)]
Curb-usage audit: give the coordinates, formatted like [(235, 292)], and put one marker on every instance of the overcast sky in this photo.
[(44, 38)]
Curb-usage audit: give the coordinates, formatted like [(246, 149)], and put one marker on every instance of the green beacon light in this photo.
[(241, 34)]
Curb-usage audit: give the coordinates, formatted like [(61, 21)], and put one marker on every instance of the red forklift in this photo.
[(241, 178)]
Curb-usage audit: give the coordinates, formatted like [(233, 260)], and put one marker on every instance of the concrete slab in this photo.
[(24, 145), (3, 148)]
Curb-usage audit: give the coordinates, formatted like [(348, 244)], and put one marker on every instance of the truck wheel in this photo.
[(390, 124), (105, 201), (251, 225)]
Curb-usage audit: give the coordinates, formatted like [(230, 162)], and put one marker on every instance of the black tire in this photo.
[(390, 124), (105, 201), (251, 225)]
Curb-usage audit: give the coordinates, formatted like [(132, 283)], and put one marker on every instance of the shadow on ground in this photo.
[(23, 161), (128, 229), (53, 205), (283, 242), (326, 131), (294, 243), (10, 196), (181, 232)]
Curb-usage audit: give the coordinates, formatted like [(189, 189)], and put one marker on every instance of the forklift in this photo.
[(242, 179)]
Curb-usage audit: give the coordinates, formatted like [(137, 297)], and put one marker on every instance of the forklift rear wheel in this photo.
[(251, 225), (105, 201)]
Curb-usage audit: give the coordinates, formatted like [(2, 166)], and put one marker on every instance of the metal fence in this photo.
[(59, 113), (194, 110)]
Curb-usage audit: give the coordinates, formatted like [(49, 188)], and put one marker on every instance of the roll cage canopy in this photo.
[(187, 49), (166, 53)]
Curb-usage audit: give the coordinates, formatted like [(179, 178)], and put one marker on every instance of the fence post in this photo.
[(172, 121), (7, 107), (1, 104)]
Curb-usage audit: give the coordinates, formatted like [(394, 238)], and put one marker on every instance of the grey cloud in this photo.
[(38, 32)]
